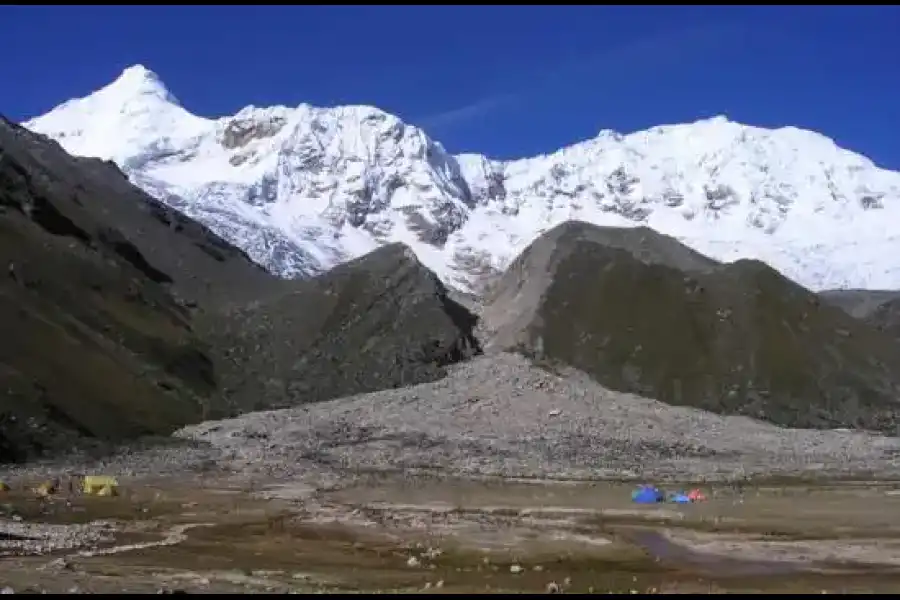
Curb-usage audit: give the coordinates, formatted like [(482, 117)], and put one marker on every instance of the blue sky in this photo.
[(505, 81)]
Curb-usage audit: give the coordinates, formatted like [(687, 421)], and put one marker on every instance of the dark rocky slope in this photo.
[(121, 318), (94, 342), (640, 312), (886, 318), (878, 308), (378, 322)]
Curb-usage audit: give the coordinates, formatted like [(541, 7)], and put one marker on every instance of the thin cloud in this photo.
[(652, 52), (468, 112)]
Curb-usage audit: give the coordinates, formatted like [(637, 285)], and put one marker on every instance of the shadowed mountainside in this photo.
[(123, 318), (878, 308), (378, 322), (642, 313), (96, 287)]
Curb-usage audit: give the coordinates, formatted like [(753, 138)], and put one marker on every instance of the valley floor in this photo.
[(214, 535), (501, 477)]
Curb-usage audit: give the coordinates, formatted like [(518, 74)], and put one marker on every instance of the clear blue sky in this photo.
[(506, 81)]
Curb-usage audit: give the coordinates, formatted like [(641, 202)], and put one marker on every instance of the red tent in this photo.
[(696, 495)]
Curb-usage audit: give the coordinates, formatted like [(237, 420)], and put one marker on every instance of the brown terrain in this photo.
[(387, 534)]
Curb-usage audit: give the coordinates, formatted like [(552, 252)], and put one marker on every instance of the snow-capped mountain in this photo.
[(302, 189)]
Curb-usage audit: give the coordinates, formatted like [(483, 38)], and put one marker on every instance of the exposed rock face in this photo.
[(641, 313), (240, 132), (381, 321), (879, 308), (886, 318)]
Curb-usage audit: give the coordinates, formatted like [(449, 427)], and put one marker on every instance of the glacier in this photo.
[(304, 188)]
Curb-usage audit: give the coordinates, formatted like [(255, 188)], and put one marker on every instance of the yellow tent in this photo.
[(48, 488), (107, 490), (100, 485)]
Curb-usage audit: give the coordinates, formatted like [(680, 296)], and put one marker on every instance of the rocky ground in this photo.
[(501, 416), (346, 476), (425, 534)]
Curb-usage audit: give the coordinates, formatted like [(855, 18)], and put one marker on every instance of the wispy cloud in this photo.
[(634, 58), (467, 112)]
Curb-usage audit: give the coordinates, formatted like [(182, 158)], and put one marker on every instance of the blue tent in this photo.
[(680, 498), (646, 494)]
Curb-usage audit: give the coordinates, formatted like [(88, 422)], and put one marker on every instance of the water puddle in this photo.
[(669, 553)]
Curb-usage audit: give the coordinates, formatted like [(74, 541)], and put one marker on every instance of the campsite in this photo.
[(461, 536), (650, 494)]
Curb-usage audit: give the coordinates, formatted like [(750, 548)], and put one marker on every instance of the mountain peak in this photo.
[(138, 73), (303, 189), (716, 120), (138, 81), (122, 121)]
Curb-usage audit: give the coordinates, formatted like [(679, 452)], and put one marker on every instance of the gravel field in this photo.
[(500, 416)]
